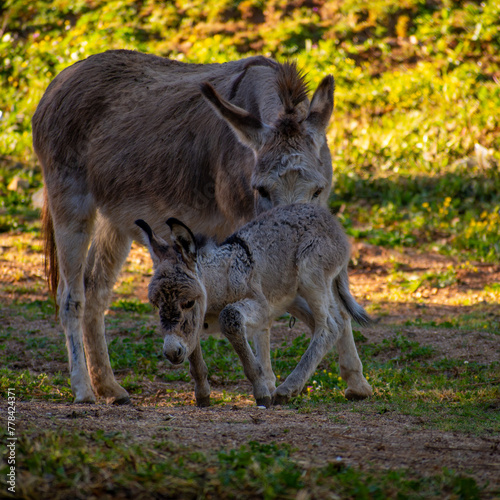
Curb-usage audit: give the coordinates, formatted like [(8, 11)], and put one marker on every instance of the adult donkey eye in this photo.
[(263, 192), (317, 193), (187, 305)]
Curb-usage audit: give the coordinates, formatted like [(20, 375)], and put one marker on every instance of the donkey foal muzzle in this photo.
[(176, 356)]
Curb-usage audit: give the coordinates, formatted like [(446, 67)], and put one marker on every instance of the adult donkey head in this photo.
[(293, 162)]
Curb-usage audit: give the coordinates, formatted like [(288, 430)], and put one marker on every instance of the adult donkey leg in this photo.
[(351, 368), (106, 257), (72, 231)]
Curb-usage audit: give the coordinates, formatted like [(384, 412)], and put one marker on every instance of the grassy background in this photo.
[(414, 138), (418, 85)]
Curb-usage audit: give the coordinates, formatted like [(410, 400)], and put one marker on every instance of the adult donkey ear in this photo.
[(158, 247), (321, 107), (184, 242), (249, 130)]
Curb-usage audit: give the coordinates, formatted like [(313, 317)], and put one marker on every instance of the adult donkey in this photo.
[(124, 135)]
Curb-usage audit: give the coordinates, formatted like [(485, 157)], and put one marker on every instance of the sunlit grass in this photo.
[(415, 96), (416, 93), (252, 470), (29, 386)]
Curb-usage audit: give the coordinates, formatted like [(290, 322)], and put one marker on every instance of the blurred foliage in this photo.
[(418, 85)]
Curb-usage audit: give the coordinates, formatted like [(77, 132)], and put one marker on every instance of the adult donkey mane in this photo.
[(291, 87), (123, 135)]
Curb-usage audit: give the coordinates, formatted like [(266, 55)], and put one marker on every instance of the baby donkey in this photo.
[(293, 258)]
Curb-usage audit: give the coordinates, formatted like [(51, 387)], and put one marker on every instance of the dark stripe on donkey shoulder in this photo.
[(234, 239)]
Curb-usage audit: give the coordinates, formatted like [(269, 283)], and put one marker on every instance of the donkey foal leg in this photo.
[(320, 344), (351, 368), (198, 370), (233, 321), (262, 343)]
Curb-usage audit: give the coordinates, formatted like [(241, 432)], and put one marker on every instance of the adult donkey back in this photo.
[(124, 135)]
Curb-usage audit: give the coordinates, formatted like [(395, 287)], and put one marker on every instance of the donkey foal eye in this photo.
[(187, 305), (317, 193), (263, 192)]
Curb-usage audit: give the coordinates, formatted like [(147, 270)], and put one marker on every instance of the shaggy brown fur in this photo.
[(123, 135)]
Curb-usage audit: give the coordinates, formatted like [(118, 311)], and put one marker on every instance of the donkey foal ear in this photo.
[(184, 242), (158, 248)]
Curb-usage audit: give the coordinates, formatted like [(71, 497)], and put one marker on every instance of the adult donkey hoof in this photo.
[(203, 402), (265, 401), (122, 400), (357, 395), (280, 399), (113, 394), (89, 399), (84, 395)]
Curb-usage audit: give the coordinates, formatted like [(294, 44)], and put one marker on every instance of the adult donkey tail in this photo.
[(356, 311), (50, 249)]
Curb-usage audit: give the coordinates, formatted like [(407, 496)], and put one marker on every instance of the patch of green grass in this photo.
[(473, 320), (35, 309), (42, 347), (28, 385), (433, 379), (448, 391), (132, 305), (411, 379), (472, 417), (222, 361), (456, 214), (139, 351), (22, 289), (59, 462), (16, 212), (266, 468), (285, 358), (430, 279), (127, 286), (404, 349), (492, 287)]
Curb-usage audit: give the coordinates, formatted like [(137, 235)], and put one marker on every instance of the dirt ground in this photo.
[(363, 440), (366, 438)]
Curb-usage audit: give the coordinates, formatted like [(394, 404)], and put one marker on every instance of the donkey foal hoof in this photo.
[(203, 402), (265, 401)]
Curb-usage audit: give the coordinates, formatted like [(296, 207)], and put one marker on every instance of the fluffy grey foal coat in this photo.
[(292, 258)]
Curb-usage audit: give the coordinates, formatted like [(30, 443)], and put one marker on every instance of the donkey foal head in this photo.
[(176, 289)]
